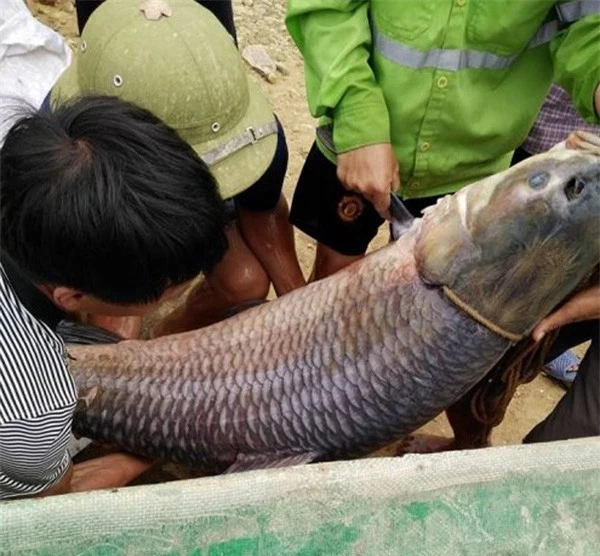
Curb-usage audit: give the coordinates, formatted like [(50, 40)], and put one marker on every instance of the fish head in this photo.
[(514, 245)]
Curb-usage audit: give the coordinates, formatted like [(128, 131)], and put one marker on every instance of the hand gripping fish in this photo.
[(357, 360)]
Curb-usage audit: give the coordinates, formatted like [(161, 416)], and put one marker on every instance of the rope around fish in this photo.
[(476, 315)]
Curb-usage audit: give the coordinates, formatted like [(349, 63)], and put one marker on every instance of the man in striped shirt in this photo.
[(104, 209)]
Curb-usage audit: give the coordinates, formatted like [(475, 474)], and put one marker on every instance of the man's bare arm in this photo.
[(584, 305), (111, 471)]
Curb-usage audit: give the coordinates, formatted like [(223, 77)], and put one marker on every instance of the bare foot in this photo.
[(424, 444), (431, 443)]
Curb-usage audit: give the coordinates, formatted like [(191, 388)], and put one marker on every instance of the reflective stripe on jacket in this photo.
[(455, 85)]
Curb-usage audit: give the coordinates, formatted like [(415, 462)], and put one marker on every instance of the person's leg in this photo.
[(262, 216), (342, 222), (237, 279), (329, 261), (270, 236), (261, 251), (577, 414)]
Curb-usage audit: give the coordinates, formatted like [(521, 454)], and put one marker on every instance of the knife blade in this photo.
[(402, 219)]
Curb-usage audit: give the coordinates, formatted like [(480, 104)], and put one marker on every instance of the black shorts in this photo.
[(340, 219), (577, 414), (221, 9), (264, 194)]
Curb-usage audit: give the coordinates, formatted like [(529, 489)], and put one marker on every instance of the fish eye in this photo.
[(538, 180), (574, 188)]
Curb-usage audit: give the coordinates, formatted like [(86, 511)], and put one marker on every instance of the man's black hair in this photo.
[(102, 196)]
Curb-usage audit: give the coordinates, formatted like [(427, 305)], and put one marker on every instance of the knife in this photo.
[(402, 219)]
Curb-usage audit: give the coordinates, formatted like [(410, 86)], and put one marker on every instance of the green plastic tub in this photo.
[(538, 499)]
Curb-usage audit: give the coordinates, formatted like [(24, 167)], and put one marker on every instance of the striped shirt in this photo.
[(37, 400)]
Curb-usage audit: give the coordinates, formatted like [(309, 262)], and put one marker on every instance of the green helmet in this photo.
[(183, 67)]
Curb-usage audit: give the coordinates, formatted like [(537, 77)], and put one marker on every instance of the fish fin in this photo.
[(246, 462), (85, 334)]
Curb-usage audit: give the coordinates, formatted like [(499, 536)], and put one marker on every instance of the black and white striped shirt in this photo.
[(37, 400)]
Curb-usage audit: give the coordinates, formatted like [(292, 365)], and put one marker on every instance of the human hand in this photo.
[(372, 171), (111, 471), (583, 141), (584, 305)]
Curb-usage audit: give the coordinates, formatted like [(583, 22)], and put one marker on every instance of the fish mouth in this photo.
[(453, 208)]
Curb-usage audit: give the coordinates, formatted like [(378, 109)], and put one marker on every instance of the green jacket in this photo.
[(455, 85)]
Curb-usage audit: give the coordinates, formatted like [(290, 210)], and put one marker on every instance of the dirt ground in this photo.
[(261, 22)]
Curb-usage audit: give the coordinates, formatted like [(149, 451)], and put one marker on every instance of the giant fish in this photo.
[(357, 360)]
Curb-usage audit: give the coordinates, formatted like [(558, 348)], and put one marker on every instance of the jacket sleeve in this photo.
[(334, 36), (576, 55)]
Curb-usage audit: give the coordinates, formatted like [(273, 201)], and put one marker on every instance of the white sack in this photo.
[(32, 57)]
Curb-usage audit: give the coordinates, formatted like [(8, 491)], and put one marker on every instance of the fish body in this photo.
[(344, 364), (357, 360)]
